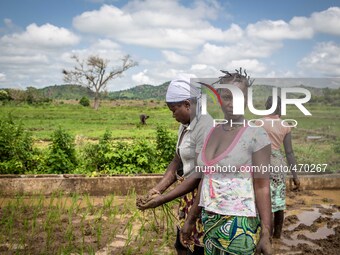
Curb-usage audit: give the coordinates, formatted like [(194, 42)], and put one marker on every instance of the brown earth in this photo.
[(311, 224)]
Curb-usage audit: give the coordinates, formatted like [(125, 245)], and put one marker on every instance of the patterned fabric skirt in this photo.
[(278, 182), (185, 205), (226, 235)]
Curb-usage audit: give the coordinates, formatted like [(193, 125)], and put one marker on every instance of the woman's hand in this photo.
[(185, 233), (265, 245), (146, 202)]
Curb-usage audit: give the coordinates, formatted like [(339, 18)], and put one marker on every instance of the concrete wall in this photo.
[(11, 185)]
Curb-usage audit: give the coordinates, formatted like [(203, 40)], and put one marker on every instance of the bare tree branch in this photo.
[(92, 73)]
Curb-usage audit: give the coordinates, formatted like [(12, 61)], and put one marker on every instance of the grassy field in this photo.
[(122, 119)]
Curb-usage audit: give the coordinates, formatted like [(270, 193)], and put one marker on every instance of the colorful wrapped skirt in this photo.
[(186, 203), (226, 235), (278, 182)]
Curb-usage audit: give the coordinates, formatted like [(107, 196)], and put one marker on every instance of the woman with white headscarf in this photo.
[(183, 99)]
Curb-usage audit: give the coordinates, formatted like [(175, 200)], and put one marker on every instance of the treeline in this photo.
[(19, 156), (33, 95), (328, 97), (143, 92)]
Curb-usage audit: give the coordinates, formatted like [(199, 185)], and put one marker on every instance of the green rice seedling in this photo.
[(108, 202), (49, 232), (99, 233), (82, 229), (19, 204), (52, 197), (61, 204), (89, 204), (34, 219), (69, 235), (170, 219), (9, 223), (40, 202), (90, 250)]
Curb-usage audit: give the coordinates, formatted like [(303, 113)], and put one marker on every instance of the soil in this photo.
[(311, 226)]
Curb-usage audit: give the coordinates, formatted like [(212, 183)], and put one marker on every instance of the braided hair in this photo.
[(240, 76)]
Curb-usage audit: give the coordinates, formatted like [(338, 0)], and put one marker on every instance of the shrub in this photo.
[(84, 101), (16, 149), (165, 145), (4, 95), (94, 155), (133, 157), (62, 154)]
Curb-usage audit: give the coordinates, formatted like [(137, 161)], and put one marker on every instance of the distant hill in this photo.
[(141, 92), (66, 92)]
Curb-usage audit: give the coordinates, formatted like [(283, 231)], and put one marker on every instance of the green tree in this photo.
[(3, 95), (84, 101)]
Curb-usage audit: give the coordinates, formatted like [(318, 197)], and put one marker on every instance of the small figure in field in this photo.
[(143, 118)]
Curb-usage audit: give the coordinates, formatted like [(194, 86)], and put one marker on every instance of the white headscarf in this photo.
[(180, 89)]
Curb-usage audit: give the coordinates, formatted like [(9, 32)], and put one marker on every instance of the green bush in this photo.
[(62, 153), (133, 157), (17, 155), (4, 95), (165, 145), (138, 157), (84, 101), (94, 155)]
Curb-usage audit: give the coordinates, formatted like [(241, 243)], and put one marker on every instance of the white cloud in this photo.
[(142, 78), (245, 49), (157, 24), (298, 27), (46, 36), (324, 60), (175, 58), (327, 21), (24, 60), (279, 30)]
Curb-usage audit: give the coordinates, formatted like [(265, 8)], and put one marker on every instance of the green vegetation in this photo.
[(141, 92), (61, 156), (65, 154), (17, 154), (84, 101), (111, 140)]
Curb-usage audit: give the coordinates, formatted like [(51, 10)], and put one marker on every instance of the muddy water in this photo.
[(312, 222)]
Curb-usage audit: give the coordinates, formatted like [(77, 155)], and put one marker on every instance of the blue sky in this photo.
[(285, 39)]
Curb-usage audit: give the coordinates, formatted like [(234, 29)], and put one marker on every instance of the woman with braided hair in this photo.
[(235, 206)]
